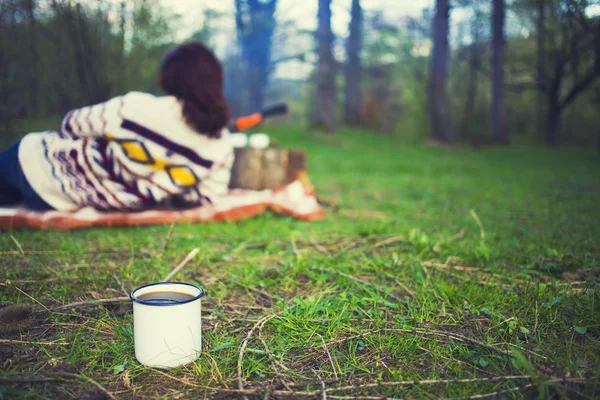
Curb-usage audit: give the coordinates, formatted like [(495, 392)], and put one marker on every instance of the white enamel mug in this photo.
[(238, 139), (167, 333), (259, 141)]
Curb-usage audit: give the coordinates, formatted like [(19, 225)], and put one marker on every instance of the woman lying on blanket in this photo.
[(133, 152)]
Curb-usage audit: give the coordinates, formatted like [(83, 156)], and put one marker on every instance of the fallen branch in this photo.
[(403, 286), (168, 238), (498, 393), (324, 392), (10, 341), (318, 246), (479, 223), (436, 382), (383, 397), (186, 383), (421, 331), (18, 244), (83, 252), (121, 285), (391, 240), (330, 361), (295, 248), (8, 283), (259, 324), (94, 302), (426, 382), (521, 349), (182, 264), (275, 362)]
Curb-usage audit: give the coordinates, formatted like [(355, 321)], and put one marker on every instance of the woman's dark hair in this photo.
[(193, 74)]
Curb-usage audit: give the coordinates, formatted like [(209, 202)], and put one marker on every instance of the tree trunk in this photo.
[(554, 121), (257, 83), (324, 103), (33, 48), (353, 93), (438, 99), (474, 59), (555, 84), (471, 94), (255, 24), (263, 26), (121, 73), (540, 76), (499, 132)]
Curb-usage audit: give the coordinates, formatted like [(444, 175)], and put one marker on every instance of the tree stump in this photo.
[(258, 169), (273, 168)]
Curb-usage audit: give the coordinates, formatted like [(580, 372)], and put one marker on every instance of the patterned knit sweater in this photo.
[(132, 152)]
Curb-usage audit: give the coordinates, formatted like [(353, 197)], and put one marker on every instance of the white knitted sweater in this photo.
[(132, 152)]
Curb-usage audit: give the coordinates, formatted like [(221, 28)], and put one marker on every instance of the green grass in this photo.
[(436, 264)]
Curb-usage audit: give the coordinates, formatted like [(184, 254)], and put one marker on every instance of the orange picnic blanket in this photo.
[(294, 199)]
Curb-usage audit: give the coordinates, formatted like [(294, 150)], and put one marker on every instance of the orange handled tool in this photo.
[(249, 121)]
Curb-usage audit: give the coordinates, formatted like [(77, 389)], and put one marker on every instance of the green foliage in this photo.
[(80, 53), (151, 37), (206, 33), (394, 80), (581, 330)]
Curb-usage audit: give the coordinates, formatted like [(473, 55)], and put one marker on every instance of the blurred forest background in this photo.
[(473, 71)]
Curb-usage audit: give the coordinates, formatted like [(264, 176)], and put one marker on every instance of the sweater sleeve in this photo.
[(216, 184), (93, 121)]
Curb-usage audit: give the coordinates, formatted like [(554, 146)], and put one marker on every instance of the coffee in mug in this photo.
[(165, 297)]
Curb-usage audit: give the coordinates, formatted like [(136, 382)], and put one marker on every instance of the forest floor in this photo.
[(441, 272)]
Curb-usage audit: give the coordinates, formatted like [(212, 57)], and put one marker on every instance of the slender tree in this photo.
[(440, 124), (540, 75), (473, 56), (498, 111), (122, 22), (324, 103), (575, 66), (353, 68), (255, 24), (34, 77)]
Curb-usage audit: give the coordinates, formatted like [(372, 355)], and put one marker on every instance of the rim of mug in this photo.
[(150, 303)]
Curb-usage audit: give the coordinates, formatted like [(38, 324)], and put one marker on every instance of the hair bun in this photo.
[(194, 75), (209, 120), (218, 115)]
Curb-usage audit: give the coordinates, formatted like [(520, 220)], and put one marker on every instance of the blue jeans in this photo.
[(14, 187)]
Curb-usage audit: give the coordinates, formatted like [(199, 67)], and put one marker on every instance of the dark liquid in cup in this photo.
[(166, 297)]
